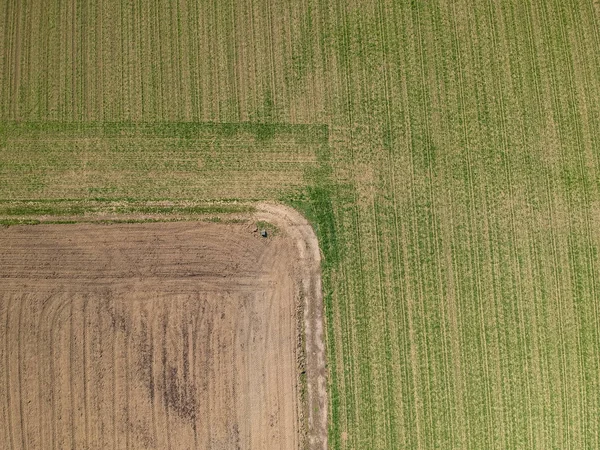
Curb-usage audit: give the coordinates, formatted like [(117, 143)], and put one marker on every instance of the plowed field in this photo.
[(171, 335)]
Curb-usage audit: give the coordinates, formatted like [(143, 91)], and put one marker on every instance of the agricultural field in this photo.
[(133, 338), (161, 335), (446, 153)]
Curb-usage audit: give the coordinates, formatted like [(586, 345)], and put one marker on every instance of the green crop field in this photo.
[(447, 153)]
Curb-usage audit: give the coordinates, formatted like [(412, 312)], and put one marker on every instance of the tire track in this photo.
[(478, 289), (127, 367), (273, 94), (75, 57), (454, 315), (4, 409), (353, 394), (492, 21), (140, 23), (474, 257), (580, 148), (8, 59), (434, 223), (541, 113), (194, 341), (383, 38), (99, 82), (45, 312), (416, 359), (53, 320), (113, 341), (458, 322), (71, 385), (237, 66), (84, 374), (562, 141), (16, 57), (192, 27), (9, 400), (390, 389), (159, 52), (386, 333), (19, 390), (86, 53), (38, 342), (165, 326), (4, 55), (415, 376), (152, 388), (557, 289)]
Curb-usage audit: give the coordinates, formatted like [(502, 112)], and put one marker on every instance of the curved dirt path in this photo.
[(297, 227)]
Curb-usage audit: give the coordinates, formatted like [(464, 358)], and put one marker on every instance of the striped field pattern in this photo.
[(463, 303)]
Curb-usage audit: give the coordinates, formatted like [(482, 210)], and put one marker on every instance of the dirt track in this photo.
[(309, 263), (172, 335)]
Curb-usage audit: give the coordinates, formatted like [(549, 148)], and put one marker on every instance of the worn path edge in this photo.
[(305, 239)]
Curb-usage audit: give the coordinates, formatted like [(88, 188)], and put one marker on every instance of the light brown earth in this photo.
[(314, 364), (163, 335)]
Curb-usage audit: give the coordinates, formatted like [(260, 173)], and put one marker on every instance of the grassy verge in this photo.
[(25, 209)]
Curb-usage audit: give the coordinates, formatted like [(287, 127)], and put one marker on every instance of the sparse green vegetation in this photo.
[(77, 208)]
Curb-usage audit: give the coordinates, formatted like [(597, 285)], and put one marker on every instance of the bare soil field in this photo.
[(157, 335)]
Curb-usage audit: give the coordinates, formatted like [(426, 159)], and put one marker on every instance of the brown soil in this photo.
[(163, 335)]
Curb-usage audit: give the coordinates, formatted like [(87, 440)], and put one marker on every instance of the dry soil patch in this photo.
[(169, 335)]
